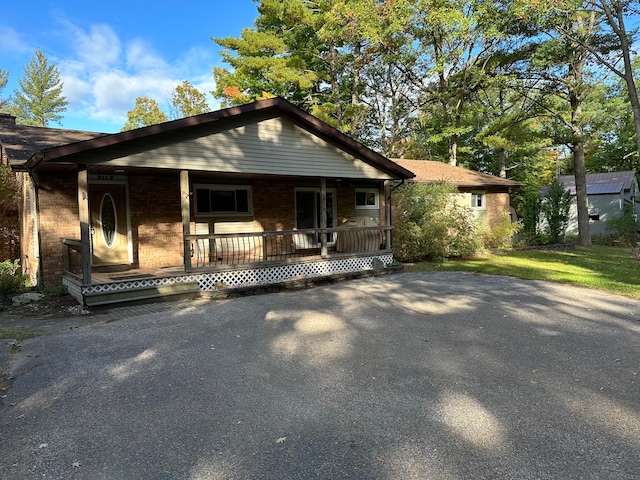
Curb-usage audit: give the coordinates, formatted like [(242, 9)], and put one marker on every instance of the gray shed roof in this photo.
[(602, 183)]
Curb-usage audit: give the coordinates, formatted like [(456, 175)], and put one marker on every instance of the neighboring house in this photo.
[(486, 195), (607, 196), (245, 196)]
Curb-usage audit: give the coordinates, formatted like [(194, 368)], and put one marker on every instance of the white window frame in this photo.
[(375, 191), (223, 187), (483, 200)]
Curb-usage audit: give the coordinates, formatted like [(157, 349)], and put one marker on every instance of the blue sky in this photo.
[(109, 53)]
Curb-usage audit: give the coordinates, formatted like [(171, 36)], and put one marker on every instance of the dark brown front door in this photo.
[(110, 239)]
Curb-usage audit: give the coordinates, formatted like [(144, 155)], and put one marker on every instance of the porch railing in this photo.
[(259, 247), (72, 256), (226, 250)]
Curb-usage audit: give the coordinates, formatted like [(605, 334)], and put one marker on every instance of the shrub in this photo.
[(11, 278), (501, 233), (429, 224), (625, 227), (529, 206), (555, 208)]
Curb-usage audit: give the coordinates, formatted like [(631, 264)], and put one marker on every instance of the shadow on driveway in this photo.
[(415, 375)]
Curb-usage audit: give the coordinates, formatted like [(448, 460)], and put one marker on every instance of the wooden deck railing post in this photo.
[(185, 208), (83, 213), (264, 247), (387, 216), (323, 217)]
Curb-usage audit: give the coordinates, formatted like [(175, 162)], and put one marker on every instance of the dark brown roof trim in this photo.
[(315, 125)]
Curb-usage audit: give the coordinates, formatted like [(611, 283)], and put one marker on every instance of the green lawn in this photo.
[(604, 268)]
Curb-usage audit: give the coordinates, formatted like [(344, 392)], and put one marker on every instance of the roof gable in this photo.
[(106, 148)]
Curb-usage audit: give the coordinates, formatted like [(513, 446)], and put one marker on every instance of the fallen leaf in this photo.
[(43, 445), (281, 440)]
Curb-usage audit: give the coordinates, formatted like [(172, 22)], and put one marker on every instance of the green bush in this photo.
[(429, 224), (625, 227), (555, 208), (11, 278), (529, 205), (501, 233)]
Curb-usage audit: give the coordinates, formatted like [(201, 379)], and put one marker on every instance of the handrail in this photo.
[(72, 255), (275, 246)]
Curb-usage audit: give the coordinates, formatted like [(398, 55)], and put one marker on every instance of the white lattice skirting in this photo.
[(251, 277)]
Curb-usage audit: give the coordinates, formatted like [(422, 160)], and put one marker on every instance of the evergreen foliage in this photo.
[(40, 99)]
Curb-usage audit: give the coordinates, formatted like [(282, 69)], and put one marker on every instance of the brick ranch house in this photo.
[(245, 196), (486, 195)]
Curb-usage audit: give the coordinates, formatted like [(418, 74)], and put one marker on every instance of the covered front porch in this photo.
[(227, 263)]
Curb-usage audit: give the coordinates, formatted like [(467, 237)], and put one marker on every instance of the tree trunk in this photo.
[(584, 235), (453, 150), (575, 86), (502, 158), (628, 74), (614, 13)]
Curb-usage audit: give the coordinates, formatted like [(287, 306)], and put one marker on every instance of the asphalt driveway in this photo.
[(414, 375)]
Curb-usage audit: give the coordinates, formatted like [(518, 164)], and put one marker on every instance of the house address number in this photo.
[(106, 178)]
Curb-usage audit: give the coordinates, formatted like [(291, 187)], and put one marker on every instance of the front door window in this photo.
[(108, 221)]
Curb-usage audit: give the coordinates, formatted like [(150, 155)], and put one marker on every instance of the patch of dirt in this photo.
[(50, 306)]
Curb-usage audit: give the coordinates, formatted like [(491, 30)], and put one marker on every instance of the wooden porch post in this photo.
[(387, 213), (83, 213), (185, 208), (323, 216)]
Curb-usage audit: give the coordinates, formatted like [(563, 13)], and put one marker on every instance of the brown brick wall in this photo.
[(274, 204), (156, 222), (58, 202), (497, 203)]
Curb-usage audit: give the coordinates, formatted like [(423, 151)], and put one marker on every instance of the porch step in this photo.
[(178, 291)]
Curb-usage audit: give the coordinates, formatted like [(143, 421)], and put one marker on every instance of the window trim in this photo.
[(474, 196), (367, 207), (222, 187)]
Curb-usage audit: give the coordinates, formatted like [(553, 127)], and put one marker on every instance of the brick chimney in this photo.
[(7, 119)]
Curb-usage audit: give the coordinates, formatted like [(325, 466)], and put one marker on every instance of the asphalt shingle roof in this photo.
[(20, 142), (429, 171)]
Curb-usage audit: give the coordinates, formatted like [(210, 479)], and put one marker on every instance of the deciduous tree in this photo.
[(187, 100), (145, 113)]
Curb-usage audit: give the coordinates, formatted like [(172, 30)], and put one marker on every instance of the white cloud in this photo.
[(75, 89), (12, 41), (99, 47), (141, 57), (104, 74), (114, 93)]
